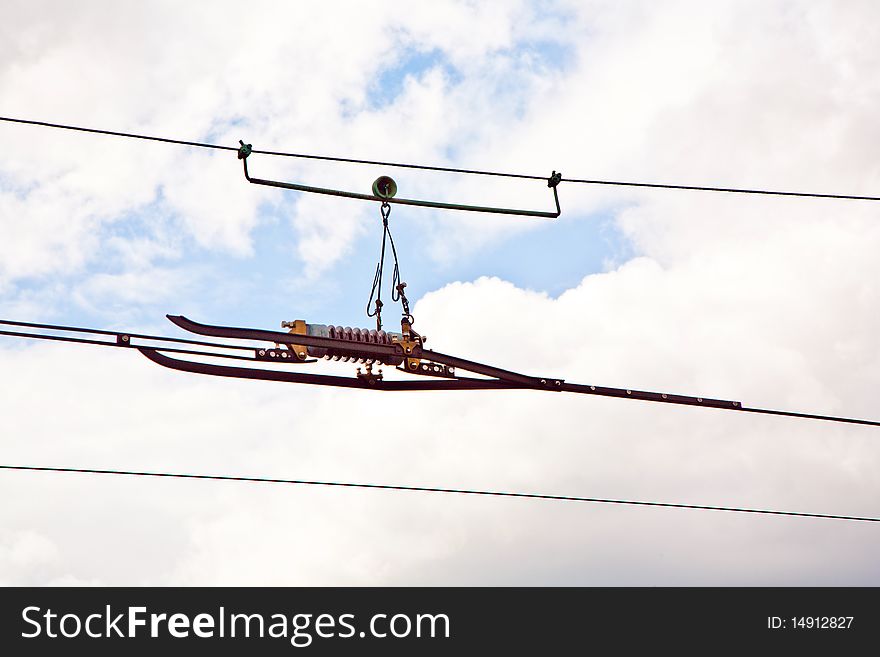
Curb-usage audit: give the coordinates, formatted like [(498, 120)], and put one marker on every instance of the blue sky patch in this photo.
[(414, 63)]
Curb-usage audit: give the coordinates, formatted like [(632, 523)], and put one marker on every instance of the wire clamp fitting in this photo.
[(555, 179), (244, 150), (368, 377)]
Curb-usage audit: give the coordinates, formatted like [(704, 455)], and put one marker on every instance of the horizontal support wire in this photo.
[(479, 172)]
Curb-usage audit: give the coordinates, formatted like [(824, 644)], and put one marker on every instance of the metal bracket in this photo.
[(368, 376), (552, 182), (297, 327), (426, 368), (281, 355)]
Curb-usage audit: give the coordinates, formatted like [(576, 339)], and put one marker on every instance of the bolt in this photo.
[(125, 338)]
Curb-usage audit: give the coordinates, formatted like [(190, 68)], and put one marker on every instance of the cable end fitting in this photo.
[(245, 150), (554, 179)]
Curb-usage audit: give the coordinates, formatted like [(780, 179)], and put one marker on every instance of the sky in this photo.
[(768, 300)]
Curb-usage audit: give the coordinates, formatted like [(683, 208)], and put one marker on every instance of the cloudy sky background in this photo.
[(771, 301)]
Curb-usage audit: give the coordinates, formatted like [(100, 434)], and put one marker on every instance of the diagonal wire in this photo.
[(114, 133), (479, 172), (431, 489)]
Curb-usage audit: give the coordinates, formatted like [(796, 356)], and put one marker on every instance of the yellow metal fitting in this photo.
[(409, 342), (298, 327)]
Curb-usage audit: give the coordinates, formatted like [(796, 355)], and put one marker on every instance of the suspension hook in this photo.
[(384, 188)]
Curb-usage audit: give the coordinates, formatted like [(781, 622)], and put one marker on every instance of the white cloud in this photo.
[(195, 74), (606, 331), (769, 301)]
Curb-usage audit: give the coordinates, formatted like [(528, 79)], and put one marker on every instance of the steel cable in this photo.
[(432, 489), (479, 172)]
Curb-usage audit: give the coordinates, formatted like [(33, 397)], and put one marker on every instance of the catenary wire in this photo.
[(479, 172), (77, 329), (172, 350), (432, 489), (460, 363)]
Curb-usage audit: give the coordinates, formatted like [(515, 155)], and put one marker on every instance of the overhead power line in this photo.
[(498, 379), (479, 172), (431, 489), (113, 133)]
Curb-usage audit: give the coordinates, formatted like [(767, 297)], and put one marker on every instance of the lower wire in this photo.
[(430, 489), (812, 416)]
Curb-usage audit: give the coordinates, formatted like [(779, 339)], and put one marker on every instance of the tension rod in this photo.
[(552, 182)]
